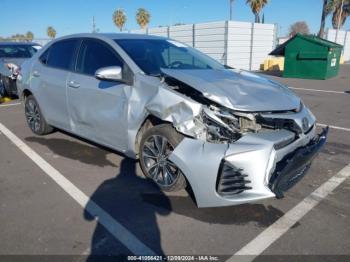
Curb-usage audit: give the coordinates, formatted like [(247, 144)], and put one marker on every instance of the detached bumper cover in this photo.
[(293, 167)]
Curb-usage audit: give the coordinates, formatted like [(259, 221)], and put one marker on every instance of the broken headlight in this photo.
[(223, 126), (219, 125)]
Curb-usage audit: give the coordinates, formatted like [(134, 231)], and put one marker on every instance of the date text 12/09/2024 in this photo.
[(173, 258)]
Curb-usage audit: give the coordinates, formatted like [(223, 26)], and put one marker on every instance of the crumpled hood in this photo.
[(238, 90)]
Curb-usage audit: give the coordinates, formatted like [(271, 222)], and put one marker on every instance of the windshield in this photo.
[(17, 51), (153, 54)]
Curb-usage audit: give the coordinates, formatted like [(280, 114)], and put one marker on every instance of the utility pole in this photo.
[(93, 25), (231, 8), (338, 26)]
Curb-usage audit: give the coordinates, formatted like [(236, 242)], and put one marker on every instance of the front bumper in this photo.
[(293, 167), (257, 157)]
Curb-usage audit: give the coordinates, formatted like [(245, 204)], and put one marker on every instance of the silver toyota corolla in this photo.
[(232, 136)]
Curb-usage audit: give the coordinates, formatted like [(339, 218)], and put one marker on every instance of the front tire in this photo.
[(156, 145), (34, 117), (9, 87), (3, 91)]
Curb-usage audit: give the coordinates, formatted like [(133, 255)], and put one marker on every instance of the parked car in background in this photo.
[(12, 55), (234, 137)]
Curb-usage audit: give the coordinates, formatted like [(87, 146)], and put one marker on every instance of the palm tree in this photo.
[(257, 6), (51, 32), (119, 18), (340, 10), (231, 8), (29, 36), (325, 13), (143, 17)]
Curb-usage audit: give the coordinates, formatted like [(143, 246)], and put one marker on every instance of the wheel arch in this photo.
[(25, 93), (152, 121), (149, 122)]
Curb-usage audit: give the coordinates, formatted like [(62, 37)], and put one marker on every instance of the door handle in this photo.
[(73, 84), (36, 73)]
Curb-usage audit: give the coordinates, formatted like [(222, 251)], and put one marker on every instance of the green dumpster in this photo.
[(309, 57)]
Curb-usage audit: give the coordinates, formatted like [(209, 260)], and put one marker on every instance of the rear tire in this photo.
[(35, 118), (156, 145), (9, 86)]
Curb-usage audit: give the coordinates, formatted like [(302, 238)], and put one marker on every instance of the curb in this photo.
[(5, 99)]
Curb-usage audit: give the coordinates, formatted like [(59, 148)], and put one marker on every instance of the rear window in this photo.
[(61, 54), (17, 51)]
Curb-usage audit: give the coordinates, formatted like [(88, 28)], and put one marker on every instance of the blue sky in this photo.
[(75, 16)]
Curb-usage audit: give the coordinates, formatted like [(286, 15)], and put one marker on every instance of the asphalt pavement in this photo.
[(74, 198)]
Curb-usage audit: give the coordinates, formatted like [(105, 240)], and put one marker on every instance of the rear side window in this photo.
[(61, 54), (94, 55)]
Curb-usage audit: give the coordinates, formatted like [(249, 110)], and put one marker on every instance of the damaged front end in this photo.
[(210, 121), (232, 157), (293, 167)]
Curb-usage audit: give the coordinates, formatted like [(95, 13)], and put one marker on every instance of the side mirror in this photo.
[(111, 73)]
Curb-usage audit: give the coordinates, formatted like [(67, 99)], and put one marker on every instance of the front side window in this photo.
[(94, 55), (61, 54), (43, 58), (153, 54)]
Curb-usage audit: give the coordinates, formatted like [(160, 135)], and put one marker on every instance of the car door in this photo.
[(49, 81), (98, 109)]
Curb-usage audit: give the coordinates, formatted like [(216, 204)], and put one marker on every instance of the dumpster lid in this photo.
[(279, 51)]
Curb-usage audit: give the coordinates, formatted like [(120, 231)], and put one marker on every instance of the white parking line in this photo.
[(259, 244), (115, 228), (334, 127), (318, 90), (13, 104)]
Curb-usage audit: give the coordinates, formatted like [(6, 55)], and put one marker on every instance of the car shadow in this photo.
[(262, 215), (120, 197), (75, 150), (135, 202)]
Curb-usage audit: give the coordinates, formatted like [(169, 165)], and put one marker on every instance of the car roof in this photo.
[(132, 36), (18, 43), (115, 36)]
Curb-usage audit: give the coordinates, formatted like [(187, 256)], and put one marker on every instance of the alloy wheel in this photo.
[(33, 115), (155, 154)]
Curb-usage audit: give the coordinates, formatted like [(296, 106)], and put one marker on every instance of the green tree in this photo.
[(18, 37), (119, 18), (51, 32), (143, 17), (256, 6), (300, 27), (29, 36)]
